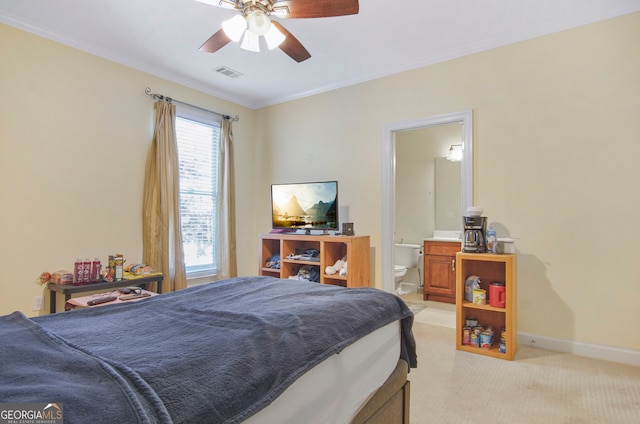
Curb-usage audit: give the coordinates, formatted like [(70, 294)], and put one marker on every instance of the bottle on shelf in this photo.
[(111, 270), (119, 268), (77, 272), (86, 271), (96, 267), (492, 240)]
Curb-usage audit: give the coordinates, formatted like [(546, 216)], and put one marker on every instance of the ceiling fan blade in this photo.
[(291, 45), (215, 42), (316, 8)]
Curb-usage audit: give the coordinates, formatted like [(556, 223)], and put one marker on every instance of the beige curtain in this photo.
[(161, 230), (226, 225)]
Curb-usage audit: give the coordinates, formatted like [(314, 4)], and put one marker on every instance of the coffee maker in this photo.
[(475, 230)]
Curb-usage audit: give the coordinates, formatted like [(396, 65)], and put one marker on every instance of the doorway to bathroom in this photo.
[(427, 190), (410, 197)]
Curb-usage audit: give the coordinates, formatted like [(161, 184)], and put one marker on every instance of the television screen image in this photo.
[(308, 206)]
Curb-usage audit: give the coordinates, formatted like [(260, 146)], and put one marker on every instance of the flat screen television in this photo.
[(305, 206)]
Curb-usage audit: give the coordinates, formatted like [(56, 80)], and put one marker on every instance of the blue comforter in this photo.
[(214, 353)]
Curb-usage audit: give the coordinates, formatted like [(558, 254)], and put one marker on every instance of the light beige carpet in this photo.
[(435, 316), (538, 387)]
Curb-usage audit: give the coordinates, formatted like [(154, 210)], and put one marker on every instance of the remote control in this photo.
[(127, 290), (133, 296), (101, 300)]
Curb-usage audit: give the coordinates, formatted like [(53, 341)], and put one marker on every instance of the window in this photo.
[(197, 135)]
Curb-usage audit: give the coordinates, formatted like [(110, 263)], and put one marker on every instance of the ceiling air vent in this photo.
[(225, 70)]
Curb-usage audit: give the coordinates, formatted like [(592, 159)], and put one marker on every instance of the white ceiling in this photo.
[(162, 37)]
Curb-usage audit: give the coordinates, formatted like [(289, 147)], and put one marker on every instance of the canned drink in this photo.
[(503, 335), (478, 329), (480, 297), (466, 334), (486, 340), (471, 322), (503, 348), (473, 340)]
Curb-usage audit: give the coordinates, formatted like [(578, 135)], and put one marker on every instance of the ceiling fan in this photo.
[(255, 21)]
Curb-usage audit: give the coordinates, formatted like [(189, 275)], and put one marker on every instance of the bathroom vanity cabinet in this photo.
[(440, 270), (331, 248)]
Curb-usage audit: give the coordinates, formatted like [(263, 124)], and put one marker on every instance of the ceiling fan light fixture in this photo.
[(274, 37), (227, 4), (259, 22), (250, 41), (280, 11), (235, 27)]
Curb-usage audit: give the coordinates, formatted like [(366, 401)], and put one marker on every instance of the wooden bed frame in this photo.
[(390, 403)]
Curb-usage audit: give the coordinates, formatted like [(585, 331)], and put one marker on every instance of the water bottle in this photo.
[(492, 240)]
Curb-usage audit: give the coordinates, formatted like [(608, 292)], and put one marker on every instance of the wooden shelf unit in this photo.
[(489, 267), (332, 248)]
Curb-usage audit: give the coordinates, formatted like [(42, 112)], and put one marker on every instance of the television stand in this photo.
[(332, 248)]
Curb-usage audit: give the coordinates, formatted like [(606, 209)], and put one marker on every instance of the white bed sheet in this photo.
[(336, 389)]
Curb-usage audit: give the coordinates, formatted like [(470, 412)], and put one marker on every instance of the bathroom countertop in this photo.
[(452, 240), (445, 235)]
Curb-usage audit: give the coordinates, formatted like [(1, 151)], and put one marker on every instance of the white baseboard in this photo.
[(608, 353)]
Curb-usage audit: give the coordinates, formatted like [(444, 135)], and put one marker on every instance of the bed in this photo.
[(248, 349)]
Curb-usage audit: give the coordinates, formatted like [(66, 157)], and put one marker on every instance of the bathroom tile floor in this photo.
[(435, 313)]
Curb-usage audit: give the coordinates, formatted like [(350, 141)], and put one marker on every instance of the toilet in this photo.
[(407, 256), (400, 272)]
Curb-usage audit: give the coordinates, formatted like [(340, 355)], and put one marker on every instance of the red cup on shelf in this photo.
[(497, 294)]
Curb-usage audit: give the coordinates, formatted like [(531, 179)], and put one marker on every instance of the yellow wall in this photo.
[(556, 130), (74, 132)]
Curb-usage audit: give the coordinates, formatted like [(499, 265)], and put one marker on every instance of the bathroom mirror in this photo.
[(427, 184), (448, 194), (461, 122)]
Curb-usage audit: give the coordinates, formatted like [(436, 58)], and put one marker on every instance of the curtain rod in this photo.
[(155, 96)]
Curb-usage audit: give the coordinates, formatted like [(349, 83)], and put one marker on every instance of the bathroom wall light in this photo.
[(455, 153)]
